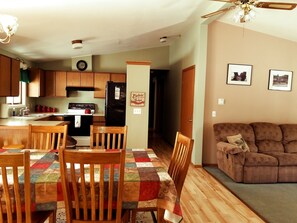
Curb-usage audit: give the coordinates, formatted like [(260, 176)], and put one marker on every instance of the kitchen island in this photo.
[(15, 130)]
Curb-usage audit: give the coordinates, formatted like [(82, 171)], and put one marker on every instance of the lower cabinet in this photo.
[(99, 120)]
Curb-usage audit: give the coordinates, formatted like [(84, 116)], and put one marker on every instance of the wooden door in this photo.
[(187, 101)]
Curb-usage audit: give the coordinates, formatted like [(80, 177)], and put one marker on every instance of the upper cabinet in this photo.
[(118, 77), (80, 79), (55, 83), (100, 80), (9, 76), (36, 87)]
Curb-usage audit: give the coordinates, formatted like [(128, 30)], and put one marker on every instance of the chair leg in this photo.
[(160, 215), (52, 217), (154, 216), (133, 216)]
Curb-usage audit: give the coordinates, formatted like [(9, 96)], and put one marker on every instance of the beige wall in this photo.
[(138, 80), (159, 58), (230, 44), (117, 62)]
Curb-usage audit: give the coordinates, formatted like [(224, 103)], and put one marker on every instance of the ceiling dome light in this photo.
[(77, 44), (8, 27)]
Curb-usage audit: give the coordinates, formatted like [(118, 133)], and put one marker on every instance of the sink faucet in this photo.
[(21, 112)]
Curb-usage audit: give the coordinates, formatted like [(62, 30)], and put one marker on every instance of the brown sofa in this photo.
[(272, 155)]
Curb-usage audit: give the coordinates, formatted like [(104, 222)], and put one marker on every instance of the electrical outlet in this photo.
[(214, 114)]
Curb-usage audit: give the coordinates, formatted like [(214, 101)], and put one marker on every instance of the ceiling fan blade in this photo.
[(218, 12), (276, 5)]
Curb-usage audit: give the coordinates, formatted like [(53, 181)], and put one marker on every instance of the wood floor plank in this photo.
[(203, 198)]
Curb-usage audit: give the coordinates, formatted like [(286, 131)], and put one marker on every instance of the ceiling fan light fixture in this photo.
[(245, 13), (77, 44), (8, 27)]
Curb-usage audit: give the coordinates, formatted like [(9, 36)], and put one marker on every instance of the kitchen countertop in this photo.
[(18, 122)]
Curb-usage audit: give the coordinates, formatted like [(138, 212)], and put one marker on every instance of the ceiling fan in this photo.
[(246, 7)]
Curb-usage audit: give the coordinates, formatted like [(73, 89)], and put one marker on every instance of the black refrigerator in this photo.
[(115, 104)]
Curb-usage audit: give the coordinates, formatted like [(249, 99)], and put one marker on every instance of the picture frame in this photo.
[(137, 99), (239, 74), (280, 80)]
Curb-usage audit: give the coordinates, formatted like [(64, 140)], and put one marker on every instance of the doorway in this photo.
[(187, 101), (156, 99)]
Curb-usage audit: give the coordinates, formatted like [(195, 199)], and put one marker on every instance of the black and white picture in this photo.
[(280, 80), (239, 74)]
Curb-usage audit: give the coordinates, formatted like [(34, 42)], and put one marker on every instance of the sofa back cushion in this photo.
[(289, 137), (222, 130), (268, 137)]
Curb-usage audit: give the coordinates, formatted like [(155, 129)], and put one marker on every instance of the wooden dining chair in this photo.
[(92, 182), (47, 137), (15, 192), (178, 168), (108, 137)]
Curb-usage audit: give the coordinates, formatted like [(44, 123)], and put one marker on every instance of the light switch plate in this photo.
[(221, 101), (137, 111)]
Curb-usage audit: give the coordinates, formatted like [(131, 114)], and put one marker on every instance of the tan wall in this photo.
[(230, 44)]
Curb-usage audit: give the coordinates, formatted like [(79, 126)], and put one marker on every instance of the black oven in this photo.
[(83, 129)]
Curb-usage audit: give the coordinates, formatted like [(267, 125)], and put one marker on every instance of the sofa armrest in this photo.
[(228, 148)]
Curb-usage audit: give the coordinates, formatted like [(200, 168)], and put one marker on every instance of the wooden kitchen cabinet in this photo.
[(60, 83), (9, 76), (118, 77), (36, 86), (99, 120), (55, 83), (86, 79), (100, 80), (73, 79), (80, 79)]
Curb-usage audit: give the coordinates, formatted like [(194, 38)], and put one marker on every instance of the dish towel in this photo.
[(77, 121)]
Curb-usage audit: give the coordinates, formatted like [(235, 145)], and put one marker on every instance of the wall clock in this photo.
[(81, 65)]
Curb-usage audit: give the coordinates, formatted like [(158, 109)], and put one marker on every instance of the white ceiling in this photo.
[(46, 28)]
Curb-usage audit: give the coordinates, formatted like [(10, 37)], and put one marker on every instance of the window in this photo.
[(21, 98)]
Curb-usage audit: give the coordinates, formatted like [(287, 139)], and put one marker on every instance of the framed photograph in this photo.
[(280, 80), (239, 74), (137, 99)]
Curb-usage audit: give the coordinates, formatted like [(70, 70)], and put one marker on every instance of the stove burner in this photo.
[(79, 108)]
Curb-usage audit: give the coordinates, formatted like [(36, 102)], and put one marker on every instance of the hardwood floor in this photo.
[(203, 198)]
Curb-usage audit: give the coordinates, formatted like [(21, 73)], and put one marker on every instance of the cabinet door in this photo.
[(118, 77), (100, 80), (87, 79), (15, 77), (73, 79), (36, 85), (61, 83), (50, 87), (4, 76)]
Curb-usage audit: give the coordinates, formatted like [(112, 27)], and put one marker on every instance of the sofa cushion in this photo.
[(268, 137), (285, 159), (289, 137), (239, 141), (222, 130), (259, 159)]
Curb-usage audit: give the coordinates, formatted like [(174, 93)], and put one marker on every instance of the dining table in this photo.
[(146, 182)]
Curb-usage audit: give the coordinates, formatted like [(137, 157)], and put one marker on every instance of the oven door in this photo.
[(79, 129)]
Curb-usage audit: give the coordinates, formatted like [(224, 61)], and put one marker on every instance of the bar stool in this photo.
[(13, 146)]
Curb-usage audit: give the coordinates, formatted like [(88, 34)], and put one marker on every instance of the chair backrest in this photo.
[(108, 137), (47, 137), (92, 182), (180, 160), (9, 210)]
